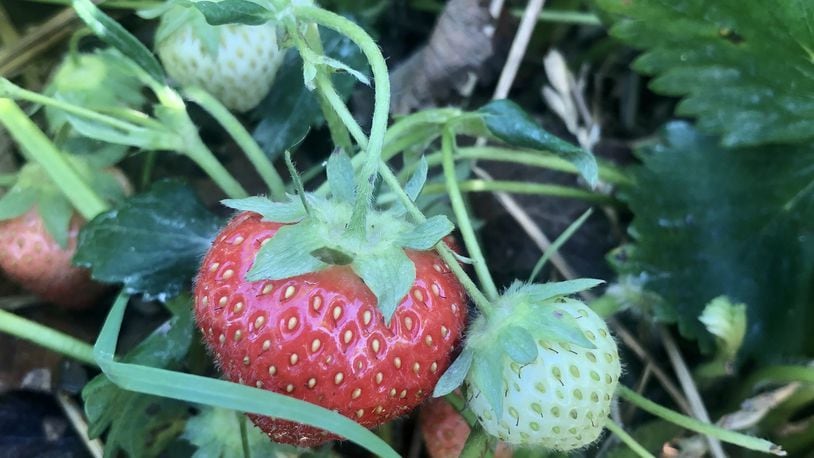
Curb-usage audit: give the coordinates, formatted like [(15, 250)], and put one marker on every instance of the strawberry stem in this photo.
[(462, 216), (732, 437), (40, 149), (46, 337), (632, 444), (242, 137), (381, 109)]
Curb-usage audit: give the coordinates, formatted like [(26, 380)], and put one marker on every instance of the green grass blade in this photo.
[(220, 393)]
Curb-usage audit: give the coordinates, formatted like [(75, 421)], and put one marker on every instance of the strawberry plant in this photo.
[(300, 271)]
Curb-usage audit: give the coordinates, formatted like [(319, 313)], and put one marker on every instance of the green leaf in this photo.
[(710, 221), (427, 234), (455, 374), (216, 433), (540, 292), (287, 113), (287, 254), (518, 344), (559, 326), (151, 242), (112, 33), (508, 122), (56, 212), (487, 375), (389, 275), (341, 178), (742, 66), (280, 212), (16, 202), (234, 12), (150, 422), (417, 180), (727, 322)]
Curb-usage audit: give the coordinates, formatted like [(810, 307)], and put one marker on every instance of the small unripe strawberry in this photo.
[(236, 63), (445, 431)]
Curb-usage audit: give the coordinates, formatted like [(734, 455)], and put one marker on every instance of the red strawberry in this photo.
[(31, 257), (445, 431), (319, 336)]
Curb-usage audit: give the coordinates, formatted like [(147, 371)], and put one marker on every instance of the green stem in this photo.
[(10, 90), (520, 187), (311, 47), (244, 434), (634, 446), (8, 179), (242, 137), (776, 375), (732, 437), (381, 109), (464, 222), (40, 149), (607, 173), (480, 300), (46, 337), (147, 169)]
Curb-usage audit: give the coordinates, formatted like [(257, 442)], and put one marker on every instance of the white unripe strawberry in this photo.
[(541, 369), (236, 63)]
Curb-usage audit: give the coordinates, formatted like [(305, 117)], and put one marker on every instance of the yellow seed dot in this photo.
[(360, 412), (379, 410), (316, 303), (222, 301), (392, 392), (397, 362), (366, 317), (238, 307), (238, 240), (292, 323), (338, 378), (433, 367), (293, 359), (246, 360), (356, 393), (267, 289), (403, 394), (259, 384), (437, 268), (228, 274), (214, 266), (436, 291), (290, 291), (347, 336), (222, 338), (315, 344), (204, 301), (379, 378), (376, 345), (272, 370), (337, 312), (289, 388), (312, 382), (418, 295), (259, 322), (444, 331), (416, 367), (428, 340), (408, 323), (266, 344), (455, 309), (238, 335)]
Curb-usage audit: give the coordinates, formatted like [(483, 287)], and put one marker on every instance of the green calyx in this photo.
[(34, 188), (524, 315), (319, 233)]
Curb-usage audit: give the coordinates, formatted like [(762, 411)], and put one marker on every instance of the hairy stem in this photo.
[(732, 437), (243, 139), (462, 216), (46, 337), (634, 446), (41, 150), (381, 99)]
